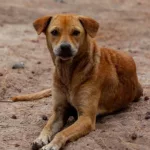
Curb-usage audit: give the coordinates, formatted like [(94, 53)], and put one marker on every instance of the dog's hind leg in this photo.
[(33, 96)]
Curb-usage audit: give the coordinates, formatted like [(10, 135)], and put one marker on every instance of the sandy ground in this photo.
[(124, 25)]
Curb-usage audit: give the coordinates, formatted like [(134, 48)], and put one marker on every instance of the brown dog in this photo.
[(88, 80)]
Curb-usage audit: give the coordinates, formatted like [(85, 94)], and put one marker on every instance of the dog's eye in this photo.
[(54, 32), (75, 33)]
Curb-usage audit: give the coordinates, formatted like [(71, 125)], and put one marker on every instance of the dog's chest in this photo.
[(64, 72), (70, 87), (71, 77)]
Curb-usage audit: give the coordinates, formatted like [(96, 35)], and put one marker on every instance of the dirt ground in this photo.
[(124, 25)]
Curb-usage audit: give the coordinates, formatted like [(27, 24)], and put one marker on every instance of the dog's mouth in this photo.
[(65, 58), (65, 52)]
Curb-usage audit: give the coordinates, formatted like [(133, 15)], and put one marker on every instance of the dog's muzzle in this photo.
[(65, 51)]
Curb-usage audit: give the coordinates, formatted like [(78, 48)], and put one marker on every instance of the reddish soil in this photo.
[(124, 25)]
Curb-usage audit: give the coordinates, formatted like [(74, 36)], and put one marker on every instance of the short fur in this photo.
[(95, 81)]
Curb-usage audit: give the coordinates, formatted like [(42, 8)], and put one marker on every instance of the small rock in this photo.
[(17, 145), (19, 90), (61, 1), (147, 116), (141, 136), (130, 51), (146, 98), (71, 119), (8, 86), (103, 131), (32, 49), (38, 62), (14, 117), (32, 72), (30, 78), (1, 74), (27, 31), (19, 65), (34, 41), (148, 113), (44, 117), (134, 136)]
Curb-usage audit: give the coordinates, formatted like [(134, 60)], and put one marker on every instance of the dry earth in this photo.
[(124, 25)]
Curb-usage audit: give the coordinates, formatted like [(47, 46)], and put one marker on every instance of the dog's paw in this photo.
[(50, 147), (40, 142)]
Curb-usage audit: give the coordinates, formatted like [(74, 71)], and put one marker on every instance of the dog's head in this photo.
[(66, 33)]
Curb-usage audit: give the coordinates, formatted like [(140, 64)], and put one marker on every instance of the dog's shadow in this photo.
[(100, 119)]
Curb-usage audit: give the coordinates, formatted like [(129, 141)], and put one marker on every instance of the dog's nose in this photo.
[(65, 47), (65, 50)]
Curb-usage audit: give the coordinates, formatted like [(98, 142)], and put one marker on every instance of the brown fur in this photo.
[(34, 96), (96, 81)]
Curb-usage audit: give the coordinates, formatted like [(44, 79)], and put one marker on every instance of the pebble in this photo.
[(147, 116), (38, 62), (19, 90), (44, 117), (103, 131), (18, 65), (1, 74), (146, 98), (34, 41), (134, 136), (130, 51), (61, 1), (17, 145), (148, 113), (14, 117)]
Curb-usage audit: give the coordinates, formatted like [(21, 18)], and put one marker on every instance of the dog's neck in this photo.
[(82, 62)]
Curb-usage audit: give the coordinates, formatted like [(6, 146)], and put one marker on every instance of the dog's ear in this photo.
[(41, 24), (90, 25)]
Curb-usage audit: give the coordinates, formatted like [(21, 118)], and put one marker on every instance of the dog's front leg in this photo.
[(56, 121), (80, 128), (87, 109)]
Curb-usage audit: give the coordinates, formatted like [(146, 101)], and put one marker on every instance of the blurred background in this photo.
[(26, 67)]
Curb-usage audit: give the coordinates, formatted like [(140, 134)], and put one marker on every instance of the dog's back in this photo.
[(120, 84)]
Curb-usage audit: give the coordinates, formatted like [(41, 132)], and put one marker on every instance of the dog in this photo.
[(88, 80)]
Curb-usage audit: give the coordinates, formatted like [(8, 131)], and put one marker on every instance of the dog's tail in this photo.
[(34, 96)]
